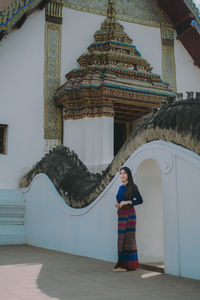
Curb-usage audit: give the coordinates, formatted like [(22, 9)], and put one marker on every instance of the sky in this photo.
[(197, 2)]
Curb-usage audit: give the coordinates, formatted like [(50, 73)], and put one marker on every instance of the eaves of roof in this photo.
[(186, 20), (13, 13)]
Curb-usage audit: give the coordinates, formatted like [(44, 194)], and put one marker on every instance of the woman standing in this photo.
[(127, 197)]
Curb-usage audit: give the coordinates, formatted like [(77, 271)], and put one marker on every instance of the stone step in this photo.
[(12, 234), (10, 220), (12, 209)]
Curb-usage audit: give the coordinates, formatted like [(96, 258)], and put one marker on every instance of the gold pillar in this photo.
[(53, 35), (168, 57)]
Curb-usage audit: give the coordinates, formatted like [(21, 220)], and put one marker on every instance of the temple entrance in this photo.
[(122, 130)]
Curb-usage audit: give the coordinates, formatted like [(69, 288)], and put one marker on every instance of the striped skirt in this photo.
[(127, 249)]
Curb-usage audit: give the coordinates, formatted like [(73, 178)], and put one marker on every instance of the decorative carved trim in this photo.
[(54, 12), (167, 33), (168, 57), (144, 12), (15, 11), (192, 7), (106, 99), (52, 114)]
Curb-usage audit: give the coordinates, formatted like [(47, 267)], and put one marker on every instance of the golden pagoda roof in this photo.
[(112, 71)]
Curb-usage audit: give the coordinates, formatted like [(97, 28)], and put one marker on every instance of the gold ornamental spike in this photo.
[(111, 12)]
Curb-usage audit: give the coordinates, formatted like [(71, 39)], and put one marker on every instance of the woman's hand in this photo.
[(116, 204), (122, 203)]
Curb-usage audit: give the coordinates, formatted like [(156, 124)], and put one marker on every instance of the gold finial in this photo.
[(111, 12)]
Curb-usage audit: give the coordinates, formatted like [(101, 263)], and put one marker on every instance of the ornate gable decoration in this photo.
[(145, 12), (113, 78), (13, 13)]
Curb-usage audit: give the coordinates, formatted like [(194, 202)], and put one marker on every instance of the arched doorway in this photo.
[(150, 216)]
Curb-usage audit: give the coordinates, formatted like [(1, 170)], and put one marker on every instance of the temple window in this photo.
[(3, 139)]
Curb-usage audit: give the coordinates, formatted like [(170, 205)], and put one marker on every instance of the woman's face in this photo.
[(123, 176)]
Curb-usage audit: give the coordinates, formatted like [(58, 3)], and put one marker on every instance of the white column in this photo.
[(92, 139)]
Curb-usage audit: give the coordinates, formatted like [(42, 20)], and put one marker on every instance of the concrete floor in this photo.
[(31, 273)]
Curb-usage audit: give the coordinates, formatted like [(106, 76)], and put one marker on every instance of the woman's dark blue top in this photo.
[(135, 199)]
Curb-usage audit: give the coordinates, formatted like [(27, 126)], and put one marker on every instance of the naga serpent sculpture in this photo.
[(177, 122)]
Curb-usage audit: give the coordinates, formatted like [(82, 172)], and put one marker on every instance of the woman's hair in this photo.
[(131, 187)]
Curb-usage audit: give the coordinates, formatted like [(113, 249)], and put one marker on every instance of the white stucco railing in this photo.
[(92, 231)]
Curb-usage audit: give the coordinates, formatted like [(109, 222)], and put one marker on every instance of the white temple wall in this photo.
[(21, 98), (188, 221), (148, 42), (92, 140), (187, 74)]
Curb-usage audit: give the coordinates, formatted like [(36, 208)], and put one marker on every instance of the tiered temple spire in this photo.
[(111, 12), (113, 78)]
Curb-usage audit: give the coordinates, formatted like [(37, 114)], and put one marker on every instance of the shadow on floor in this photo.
[(35, 273)]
